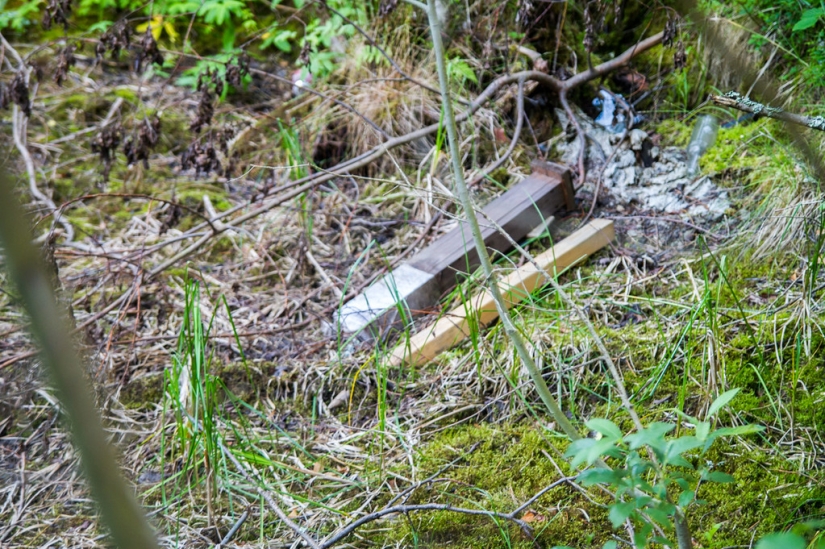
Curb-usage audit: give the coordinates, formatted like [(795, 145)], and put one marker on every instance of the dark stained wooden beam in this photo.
[(418, 284)]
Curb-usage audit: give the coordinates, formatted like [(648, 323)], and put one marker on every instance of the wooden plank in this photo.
[(518, 211), (417, 285), (454, 326)]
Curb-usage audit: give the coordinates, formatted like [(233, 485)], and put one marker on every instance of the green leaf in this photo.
[(600, 476), (653, 435), (781, 541), (721, 401), (682, 483), (681, 445), (686, 498), (748, 429), (732, 431), (660, 516), (610, 545), (809, 19), (620, 512), (100, 26), (702, 430), (579, 450), (459, 67), (641, 535), (720, 477), (606, 427), (603, 447)]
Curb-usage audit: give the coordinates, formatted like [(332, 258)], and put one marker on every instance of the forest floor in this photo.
[(691, 299)]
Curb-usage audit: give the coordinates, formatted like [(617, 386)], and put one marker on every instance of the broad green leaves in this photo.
[(809, 19), (782, 541), (217, 12), (721, 401), (605, 427), (651, 471), (459, 69)]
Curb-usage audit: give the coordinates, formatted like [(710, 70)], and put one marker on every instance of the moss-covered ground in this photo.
[(323, 425)]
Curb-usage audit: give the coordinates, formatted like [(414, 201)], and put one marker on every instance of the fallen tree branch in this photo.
[(516, 134), (404, 509), (737, 101), (273, 505), (511, 516), (119, 508), (304, 184)]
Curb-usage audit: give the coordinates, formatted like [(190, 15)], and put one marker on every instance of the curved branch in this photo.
[(525, 527), (299, 186), (516, 133)]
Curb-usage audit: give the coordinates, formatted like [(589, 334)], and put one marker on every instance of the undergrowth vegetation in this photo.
[(171, 154)]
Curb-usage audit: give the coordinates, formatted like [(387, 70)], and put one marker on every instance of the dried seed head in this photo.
[(137, 149), (387, 7), (217, 81), (205, 109), (65, 60), (223, 136), (4, 96), (235, 72), (233, 75), (679, 56), (105, 145), (203, 158), (57, 11), (114, 39), (19, 93), (304, 57), (148, 51), (669, 33)]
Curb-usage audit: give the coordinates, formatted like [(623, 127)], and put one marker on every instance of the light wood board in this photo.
[(454, 326), (417, 285)]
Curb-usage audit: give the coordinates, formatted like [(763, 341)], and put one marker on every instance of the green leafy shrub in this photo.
[(655, 477)]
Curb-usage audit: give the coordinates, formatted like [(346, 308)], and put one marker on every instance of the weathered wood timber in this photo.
[(417, 284)]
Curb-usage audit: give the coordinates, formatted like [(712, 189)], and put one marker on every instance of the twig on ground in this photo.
[(738, 101), (269, 501), (235, 527), (404, 509), (582, 175), (323, 274)]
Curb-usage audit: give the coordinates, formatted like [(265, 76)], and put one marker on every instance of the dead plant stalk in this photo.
[(469, 210)]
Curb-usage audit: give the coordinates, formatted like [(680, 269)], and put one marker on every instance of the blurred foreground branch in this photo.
[(738, 101), (119, 507)]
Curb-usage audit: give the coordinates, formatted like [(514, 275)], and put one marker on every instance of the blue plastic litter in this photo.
[(610, 117)]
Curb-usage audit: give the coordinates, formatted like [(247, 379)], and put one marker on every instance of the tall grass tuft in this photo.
[(194, 393)]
